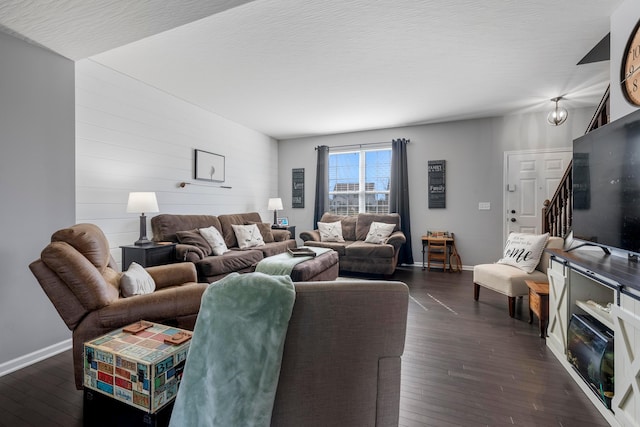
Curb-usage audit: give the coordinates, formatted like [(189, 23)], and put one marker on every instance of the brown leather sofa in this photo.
[(355, 254), (341, 360), (80, 277), (214, 267)]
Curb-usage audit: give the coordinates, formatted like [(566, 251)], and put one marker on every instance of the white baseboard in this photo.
[(36, 356)]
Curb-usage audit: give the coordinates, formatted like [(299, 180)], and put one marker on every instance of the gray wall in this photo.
[(474, 151), (38, 187)]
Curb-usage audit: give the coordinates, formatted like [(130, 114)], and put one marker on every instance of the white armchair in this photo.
[(509, 280)]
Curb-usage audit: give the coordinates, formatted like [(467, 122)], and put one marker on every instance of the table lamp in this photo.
[(275, 204), (142, 202)]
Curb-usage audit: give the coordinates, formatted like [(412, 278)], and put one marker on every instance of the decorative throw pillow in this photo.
[(265, 231), (215, 240), (136, 281), (378, 232), (194, 238), (330, 231), (523, 250), (248, 236)]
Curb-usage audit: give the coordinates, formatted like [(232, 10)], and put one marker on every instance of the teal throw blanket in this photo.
[(282, 264), (232, 370)]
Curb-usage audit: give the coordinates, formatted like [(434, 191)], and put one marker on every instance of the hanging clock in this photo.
[(630, 70)]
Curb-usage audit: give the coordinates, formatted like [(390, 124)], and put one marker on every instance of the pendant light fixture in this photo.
[(558, 115)]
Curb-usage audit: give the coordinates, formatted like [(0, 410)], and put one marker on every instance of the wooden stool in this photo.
[(539, 304)]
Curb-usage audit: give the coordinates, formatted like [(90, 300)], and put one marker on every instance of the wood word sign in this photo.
[(297, 188), (436, 184)]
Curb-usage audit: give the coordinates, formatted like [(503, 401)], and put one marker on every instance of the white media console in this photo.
[(579, 278)]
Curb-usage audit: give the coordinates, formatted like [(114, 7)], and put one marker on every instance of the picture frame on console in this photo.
[(208, 166), (283, 221)]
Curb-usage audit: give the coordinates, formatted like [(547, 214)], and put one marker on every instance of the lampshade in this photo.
[(275, 204), (558, 115), (140, 202)]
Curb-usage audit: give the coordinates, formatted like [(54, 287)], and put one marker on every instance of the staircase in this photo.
[(558, 212)]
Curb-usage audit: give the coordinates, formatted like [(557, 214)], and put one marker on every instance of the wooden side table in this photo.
[(148, 255), (539, 304), (450, 251)]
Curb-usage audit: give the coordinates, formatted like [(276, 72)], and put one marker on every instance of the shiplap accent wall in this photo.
[(133, 137)]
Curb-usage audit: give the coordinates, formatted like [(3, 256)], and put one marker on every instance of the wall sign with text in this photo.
[(297, 188), (437, 186)]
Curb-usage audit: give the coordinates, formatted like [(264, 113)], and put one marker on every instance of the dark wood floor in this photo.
[(466, 363)]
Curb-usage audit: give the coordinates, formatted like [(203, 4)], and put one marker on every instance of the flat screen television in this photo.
[(606, 185)]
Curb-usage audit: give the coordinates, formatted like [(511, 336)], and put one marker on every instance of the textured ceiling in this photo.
[(80, 28), (291, 68)]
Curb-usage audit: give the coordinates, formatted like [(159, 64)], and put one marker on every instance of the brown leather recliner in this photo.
[(80, 277)]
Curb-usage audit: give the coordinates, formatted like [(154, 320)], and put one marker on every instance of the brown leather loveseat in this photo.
[(356, 255), (80, 277)]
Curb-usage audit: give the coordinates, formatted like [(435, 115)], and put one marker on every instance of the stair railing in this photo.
[(557, 213)]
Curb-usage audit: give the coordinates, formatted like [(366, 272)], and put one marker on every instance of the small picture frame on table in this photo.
[(283, 221)]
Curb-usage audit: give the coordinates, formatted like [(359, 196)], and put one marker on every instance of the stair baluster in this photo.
[(557, 213)]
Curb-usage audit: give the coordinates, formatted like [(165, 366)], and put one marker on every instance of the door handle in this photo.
[(513, 220), (513, 211)]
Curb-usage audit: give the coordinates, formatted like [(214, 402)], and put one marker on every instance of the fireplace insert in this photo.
[(590, 351)]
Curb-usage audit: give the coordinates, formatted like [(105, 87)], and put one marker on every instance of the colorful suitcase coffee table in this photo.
[(141, 368)]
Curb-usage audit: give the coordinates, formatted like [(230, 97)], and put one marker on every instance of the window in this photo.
[(359, 181)]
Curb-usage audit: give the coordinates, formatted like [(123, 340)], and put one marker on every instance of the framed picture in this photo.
[(283, 221), (208, 166)]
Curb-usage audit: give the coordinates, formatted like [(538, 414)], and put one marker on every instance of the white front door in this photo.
[(531, 177)]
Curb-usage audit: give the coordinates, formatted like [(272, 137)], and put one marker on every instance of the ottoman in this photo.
[(324, 267)]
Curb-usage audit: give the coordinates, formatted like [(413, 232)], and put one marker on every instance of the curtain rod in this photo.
[(367, 144)]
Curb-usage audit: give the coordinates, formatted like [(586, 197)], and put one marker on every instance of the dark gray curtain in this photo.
[(322, 181), (399, 195)]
